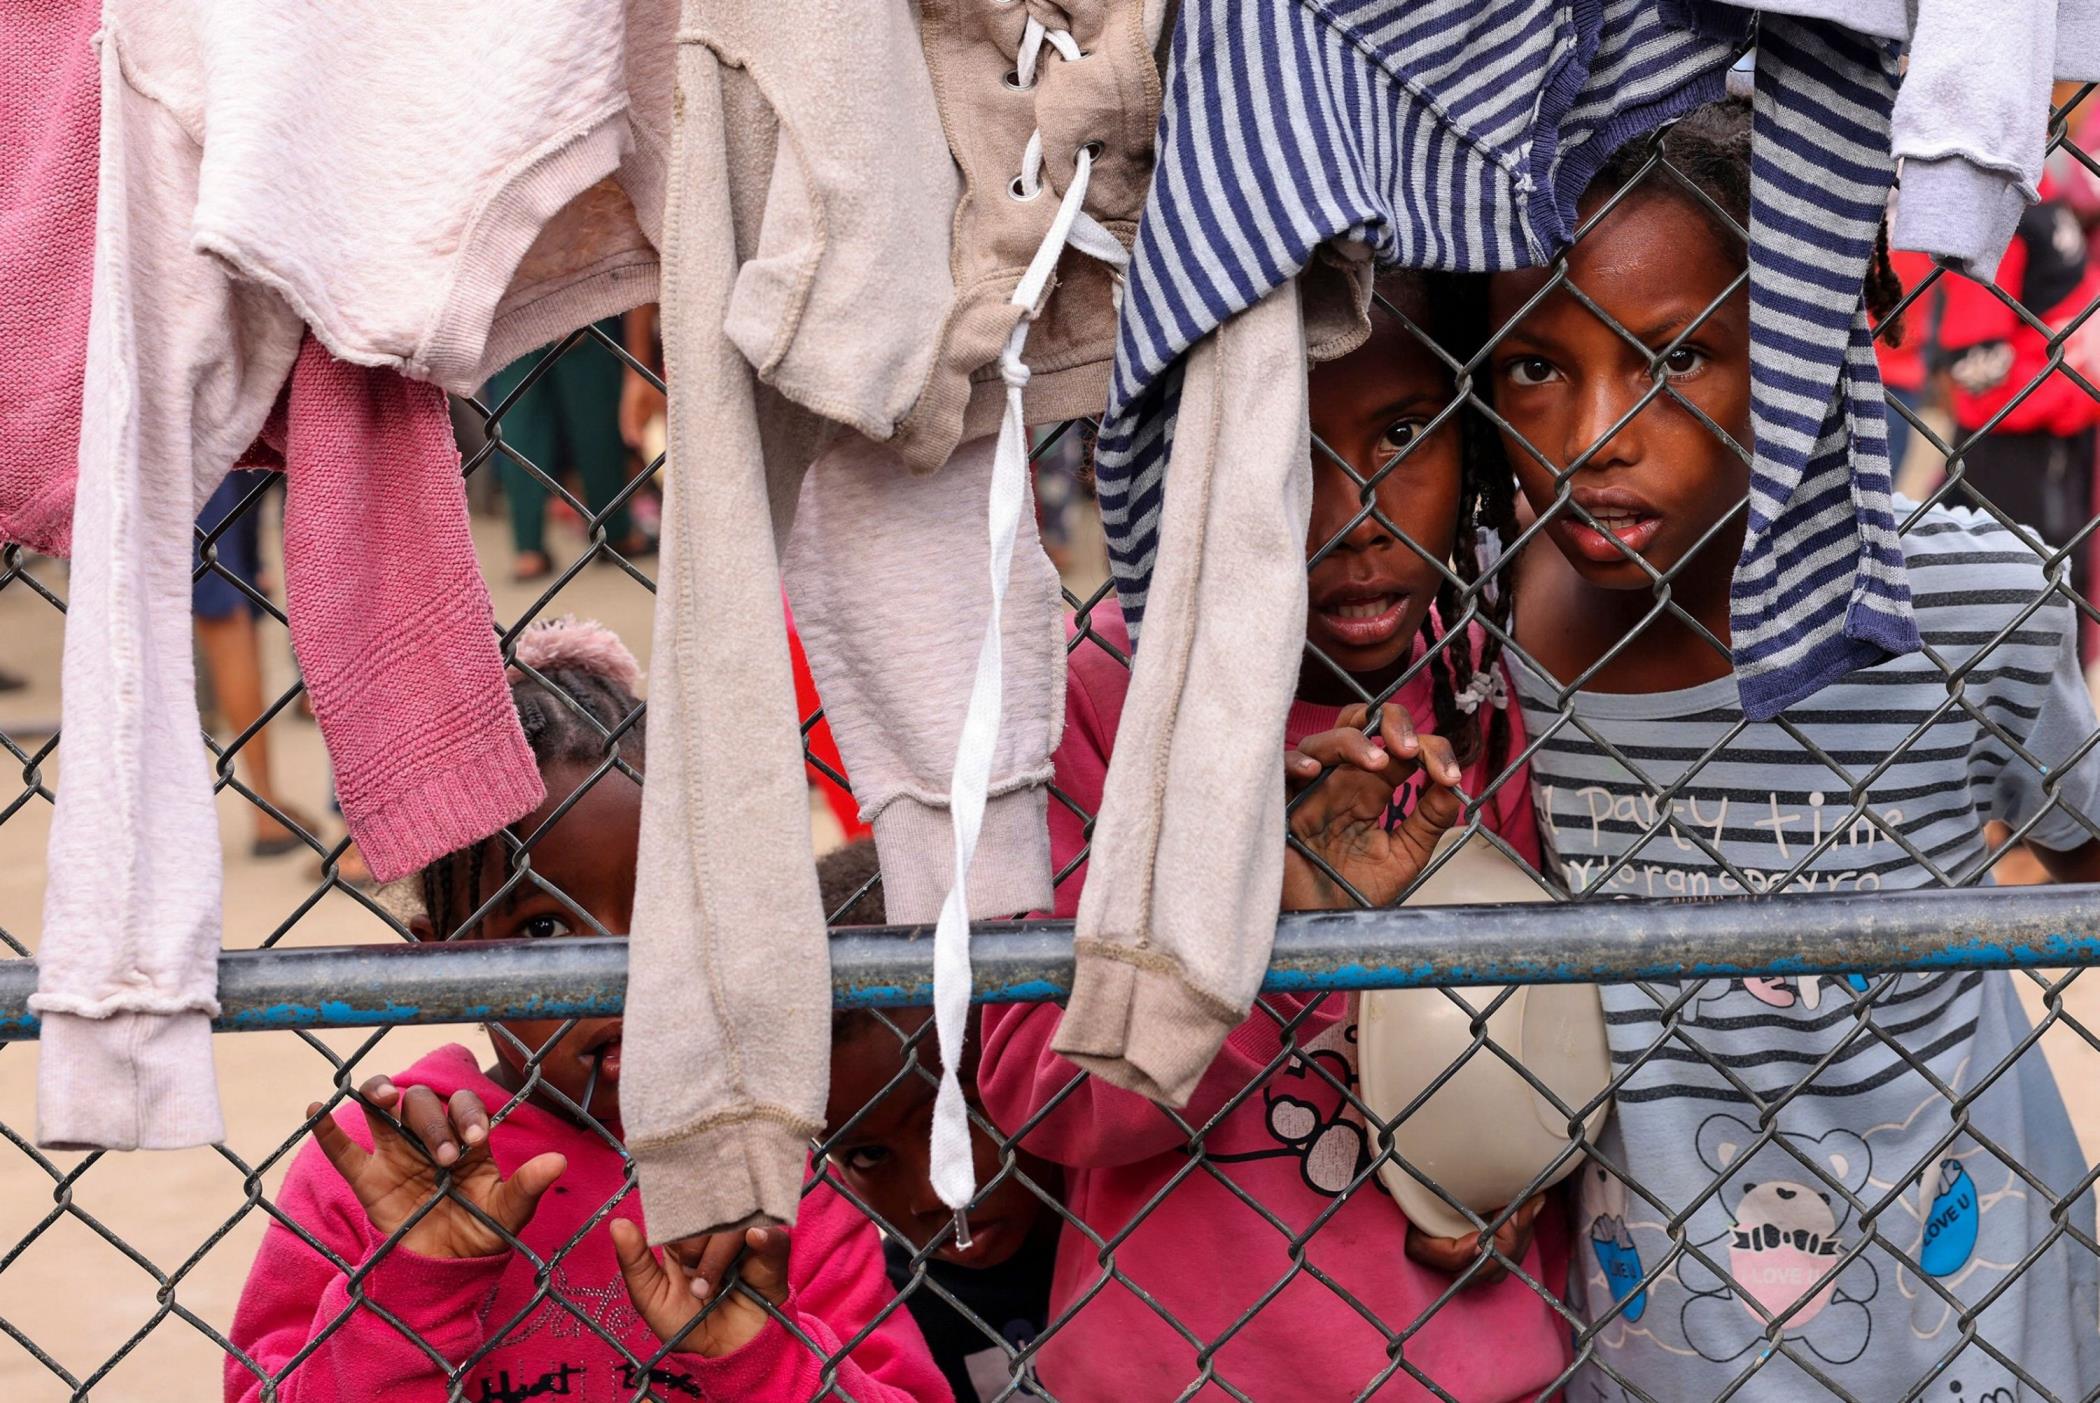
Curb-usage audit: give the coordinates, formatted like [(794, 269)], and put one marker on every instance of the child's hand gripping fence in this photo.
[(119, 1274)]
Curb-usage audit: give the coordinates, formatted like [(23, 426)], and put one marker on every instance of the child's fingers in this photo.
[(1452, 1255), (516, 1199), (344, 1153), (1439, 761), (425, 1118), (378, 1098), (646, 1278), (765, 1268), (1398, 730), (1344, 745), (1445, 1254), (470, 1118), (1435, 813), (712, 1265), (1513, 1239)]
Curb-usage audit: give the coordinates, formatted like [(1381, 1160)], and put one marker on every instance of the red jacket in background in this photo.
[(1994, 355)]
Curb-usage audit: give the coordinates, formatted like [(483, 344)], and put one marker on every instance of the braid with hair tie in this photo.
[(1494, 490)]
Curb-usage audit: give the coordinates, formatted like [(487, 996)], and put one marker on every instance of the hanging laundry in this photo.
[(259, 168), (1821, 589), (1970, 122), (1451, 135), (371, 528), (49, 106), (876, 307), (390, 617)]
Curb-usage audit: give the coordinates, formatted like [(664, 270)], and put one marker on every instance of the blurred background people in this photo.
[(570, 423), (231, 648)]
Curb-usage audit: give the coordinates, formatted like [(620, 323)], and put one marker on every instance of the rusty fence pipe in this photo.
[(369, 986)]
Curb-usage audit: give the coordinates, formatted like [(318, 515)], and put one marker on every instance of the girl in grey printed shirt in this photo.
[(1851, 1167)]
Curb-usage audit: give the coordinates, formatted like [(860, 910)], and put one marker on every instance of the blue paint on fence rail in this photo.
[(1316, 952)]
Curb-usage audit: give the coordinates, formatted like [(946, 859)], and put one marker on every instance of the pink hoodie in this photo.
[(836, 1287), (1206, 1254)]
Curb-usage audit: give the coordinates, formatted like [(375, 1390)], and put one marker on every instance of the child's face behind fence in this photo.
[(1563, 378), (588, 856), (1368, 596), (883, 1155)]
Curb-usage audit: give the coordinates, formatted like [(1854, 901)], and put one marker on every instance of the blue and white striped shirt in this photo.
[(1458, 135)]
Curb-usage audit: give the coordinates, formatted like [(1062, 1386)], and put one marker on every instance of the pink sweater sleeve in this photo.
[(295, 1295), (837, 1288), (391, 618), (1098, 1125)]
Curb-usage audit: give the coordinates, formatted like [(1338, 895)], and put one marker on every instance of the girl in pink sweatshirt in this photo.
[(353, 1296), (1280, 1226)]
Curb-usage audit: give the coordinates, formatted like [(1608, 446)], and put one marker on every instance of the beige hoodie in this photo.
[(873, 180)]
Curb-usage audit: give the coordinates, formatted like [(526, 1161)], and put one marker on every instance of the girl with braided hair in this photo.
[(1400, 614), (527, 1154)]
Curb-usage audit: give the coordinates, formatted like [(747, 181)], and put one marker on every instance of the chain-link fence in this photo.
[(1253, 1235)]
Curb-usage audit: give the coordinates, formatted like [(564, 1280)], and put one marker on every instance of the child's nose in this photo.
[(925, 1204), (1595, 428), (1337, 499)]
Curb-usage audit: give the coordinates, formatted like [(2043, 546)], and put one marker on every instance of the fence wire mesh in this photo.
[(118, 1281)]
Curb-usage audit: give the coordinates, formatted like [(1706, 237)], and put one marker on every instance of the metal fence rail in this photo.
[(118, 1281), (379, 986)]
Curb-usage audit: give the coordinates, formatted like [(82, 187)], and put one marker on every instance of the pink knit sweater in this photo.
[(390, 617), (50, 105)]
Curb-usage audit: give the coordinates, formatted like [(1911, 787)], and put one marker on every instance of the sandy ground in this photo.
[(80, 1299)]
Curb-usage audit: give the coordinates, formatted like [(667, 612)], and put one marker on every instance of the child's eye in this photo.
[(1683, 361), (864, 1159), (544, 927), (1399, 435), (1529, 370)]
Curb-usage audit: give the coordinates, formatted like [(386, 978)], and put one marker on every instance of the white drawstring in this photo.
[(953, 1169)]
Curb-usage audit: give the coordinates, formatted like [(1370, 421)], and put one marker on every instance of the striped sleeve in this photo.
[(1449, 134), (1820, 590)]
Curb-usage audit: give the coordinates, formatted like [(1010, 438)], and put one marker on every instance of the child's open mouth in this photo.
[(1361, 620), (1623, 529), (605, 1053)]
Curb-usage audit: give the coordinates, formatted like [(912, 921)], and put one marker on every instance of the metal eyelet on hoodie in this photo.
[(1019, 195)]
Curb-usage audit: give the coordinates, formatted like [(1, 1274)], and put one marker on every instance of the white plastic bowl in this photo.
[(1486, 1134)]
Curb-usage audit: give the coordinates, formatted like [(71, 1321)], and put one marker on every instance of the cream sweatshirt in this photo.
[(434, 188)]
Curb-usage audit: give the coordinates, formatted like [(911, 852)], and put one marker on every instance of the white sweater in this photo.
[(426, 185)]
